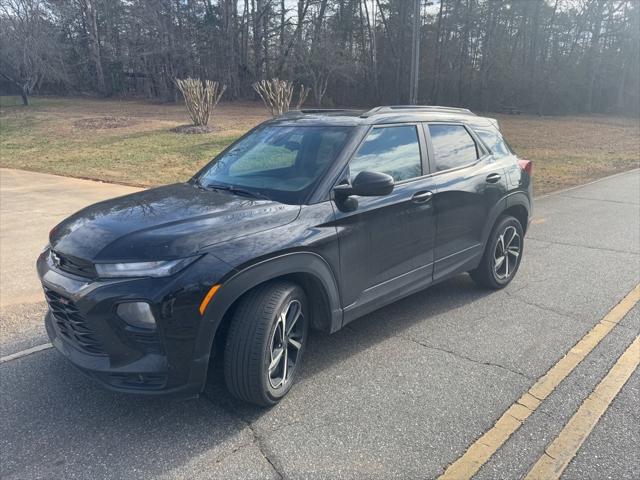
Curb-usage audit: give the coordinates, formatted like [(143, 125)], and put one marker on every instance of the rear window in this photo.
[(452, 146), (494, 141)]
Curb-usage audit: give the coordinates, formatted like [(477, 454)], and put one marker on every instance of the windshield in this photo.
[(282, 163)]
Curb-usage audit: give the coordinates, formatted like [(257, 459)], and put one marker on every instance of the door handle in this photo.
[(493, 177), (422, 197)]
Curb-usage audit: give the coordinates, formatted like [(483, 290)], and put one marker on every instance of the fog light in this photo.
[(137, 314)]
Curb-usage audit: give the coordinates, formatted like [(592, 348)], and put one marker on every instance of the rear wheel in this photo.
[(502, 255), (265, 343)]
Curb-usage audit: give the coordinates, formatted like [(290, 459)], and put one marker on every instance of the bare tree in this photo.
[(89, 12), (29, 52), (319, 74), (201, 98), (542, 56), (277, 95), (303, 93)]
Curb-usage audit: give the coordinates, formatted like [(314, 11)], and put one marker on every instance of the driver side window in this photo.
[(394, 150)]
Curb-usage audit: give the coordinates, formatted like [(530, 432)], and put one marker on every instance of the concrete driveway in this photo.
[(30, 205), (401, 393)]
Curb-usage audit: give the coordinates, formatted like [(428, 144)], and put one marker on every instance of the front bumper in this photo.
[(83, 325), (147, 374)]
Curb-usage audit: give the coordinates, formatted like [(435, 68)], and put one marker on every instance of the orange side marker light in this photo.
[(207, 298)]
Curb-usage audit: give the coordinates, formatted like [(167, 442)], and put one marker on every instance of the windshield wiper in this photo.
[(239, 191), (199, 184)]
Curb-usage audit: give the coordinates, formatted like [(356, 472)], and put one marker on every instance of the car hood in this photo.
[(168, 222)]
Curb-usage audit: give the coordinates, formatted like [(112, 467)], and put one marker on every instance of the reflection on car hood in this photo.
[(163, 223)]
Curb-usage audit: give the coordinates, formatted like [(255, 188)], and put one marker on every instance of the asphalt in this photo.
[(400, 393)]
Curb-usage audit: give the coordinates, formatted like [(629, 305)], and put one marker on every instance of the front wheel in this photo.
[(502, 255), (265, 343)]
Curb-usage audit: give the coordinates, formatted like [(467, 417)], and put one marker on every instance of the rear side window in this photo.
[(391, 150), (495, 142), (452, 146)]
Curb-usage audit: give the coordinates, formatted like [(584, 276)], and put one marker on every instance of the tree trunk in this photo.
[(258, 10), (403, 18), (89, 15), (265, 38), (373, 54), (415, 54), (318, 24), (462, 54), (593, 60), (438, 57)]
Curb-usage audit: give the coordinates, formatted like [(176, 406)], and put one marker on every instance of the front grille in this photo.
[(71, 323), (73, 265)]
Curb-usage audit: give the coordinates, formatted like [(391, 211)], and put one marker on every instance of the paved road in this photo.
[(30, 205), (401, 393)]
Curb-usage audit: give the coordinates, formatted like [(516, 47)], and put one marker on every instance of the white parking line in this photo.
[(24, 353)]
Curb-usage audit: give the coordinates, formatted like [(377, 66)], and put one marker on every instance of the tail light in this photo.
[(526, 165)]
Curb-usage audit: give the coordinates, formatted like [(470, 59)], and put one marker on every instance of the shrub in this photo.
[(277, 94), (200, 97)]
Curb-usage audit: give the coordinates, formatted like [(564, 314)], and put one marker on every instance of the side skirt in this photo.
[(400, 287)]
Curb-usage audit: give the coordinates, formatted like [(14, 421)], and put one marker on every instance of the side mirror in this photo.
[(367, 184)]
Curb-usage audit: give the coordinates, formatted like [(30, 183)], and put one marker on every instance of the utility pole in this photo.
[(415, 54)]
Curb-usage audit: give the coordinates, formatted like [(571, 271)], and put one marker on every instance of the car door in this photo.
[(386, 243), (469, 183)]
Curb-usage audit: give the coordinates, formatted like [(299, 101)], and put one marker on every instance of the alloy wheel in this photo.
[(507, 253), (286, 343)]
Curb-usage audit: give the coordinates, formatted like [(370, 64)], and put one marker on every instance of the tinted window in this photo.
[(452, 146), (281, 162), (268, 156), (391, 150), (495, 142)]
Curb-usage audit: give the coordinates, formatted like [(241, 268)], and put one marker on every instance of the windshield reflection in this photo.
[(279, 162)]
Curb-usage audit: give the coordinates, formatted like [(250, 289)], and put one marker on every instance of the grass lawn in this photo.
[(119, 141), (131, 142)]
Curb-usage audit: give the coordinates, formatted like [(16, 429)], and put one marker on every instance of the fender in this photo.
[(495, 212), (519, 198), (509, 200), (248, 277)]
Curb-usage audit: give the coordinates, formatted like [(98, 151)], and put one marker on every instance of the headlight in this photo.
[(162, 268)]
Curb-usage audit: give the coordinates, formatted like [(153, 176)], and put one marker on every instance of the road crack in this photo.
[(599, 249), (620, 202), (257, 439), (518, 298), (261, 448), (469, 359)]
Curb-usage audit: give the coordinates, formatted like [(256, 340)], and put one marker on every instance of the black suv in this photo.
[(310, 220)]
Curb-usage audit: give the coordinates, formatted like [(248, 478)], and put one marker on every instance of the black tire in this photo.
[(253, 336), (487, 275)]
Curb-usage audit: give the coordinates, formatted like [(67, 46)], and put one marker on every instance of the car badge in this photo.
[(55, 259)]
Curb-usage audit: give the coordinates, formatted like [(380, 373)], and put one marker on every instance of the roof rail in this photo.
[(415, 108), (303, 111)]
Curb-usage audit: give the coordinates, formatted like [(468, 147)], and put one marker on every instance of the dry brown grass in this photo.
[(131, 142), (568, 151)]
